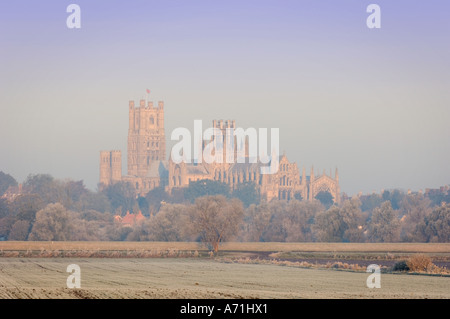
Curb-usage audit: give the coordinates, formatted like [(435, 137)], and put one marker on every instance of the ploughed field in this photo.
[(185, 270)]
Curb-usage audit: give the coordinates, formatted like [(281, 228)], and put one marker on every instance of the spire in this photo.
[(312, 174), (303, 176), (336, 175)]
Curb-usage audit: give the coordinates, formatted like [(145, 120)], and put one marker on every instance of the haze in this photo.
[(373, 102)]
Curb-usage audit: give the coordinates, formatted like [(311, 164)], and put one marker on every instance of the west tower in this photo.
[(146, 137)]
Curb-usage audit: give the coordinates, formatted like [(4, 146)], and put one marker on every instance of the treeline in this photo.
[(51, 209)]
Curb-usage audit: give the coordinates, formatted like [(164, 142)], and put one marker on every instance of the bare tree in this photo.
[(168, 224), (256, 222), (329, 225), (354, 220), (436, 226), (384, 225), (298, 220), (275, 230), (52, 223), (215, 219), (414, 209)]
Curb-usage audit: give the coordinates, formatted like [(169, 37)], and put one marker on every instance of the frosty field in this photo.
[(201, 278)]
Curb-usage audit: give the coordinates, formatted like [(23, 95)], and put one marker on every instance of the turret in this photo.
[(105, 168), (116, 166)]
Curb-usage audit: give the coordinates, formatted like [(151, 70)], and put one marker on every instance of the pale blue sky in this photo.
[(374, 103)]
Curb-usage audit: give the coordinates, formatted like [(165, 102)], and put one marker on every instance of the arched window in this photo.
[(152, 120)]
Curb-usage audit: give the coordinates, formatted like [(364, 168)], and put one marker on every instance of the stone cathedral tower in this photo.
[(146, 138), (146, 154)]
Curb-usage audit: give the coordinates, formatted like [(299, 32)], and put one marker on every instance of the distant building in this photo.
[(440, 196), (148, 167), (130, 219)]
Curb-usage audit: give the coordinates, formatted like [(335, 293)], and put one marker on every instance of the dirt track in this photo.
[(200, 278)]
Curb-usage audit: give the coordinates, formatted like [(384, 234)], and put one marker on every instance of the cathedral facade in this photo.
[(147, 167)]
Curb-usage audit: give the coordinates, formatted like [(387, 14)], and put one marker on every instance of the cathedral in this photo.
[(147, 167)]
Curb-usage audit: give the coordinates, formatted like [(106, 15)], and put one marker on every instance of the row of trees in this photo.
[(214, 219), (52, 209), (302, 221)]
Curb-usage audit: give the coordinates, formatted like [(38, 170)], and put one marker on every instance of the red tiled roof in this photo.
[(130, 219)]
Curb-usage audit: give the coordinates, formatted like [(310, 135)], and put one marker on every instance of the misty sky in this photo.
[(373, 102)]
